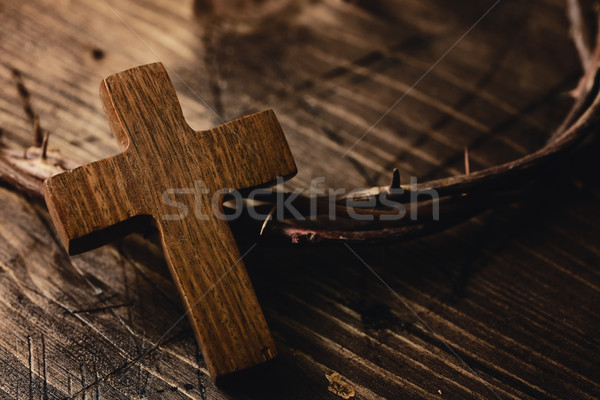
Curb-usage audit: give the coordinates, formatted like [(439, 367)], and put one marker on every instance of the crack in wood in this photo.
[(104, 308)]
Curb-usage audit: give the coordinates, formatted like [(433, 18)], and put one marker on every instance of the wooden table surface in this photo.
[(503, 306)]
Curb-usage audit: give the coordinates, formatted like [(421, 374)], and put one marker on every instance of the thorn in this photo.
[(23, 93), (395, 179), (467, 164), (37, 132), (45, 145), (266, 221)]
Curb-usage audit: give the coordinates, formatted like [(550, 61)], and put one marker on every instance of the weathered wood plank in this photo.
[(514, 293)]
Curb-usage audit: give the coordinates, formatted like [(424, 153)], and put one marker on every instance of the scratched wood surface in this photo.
[(506, 305)]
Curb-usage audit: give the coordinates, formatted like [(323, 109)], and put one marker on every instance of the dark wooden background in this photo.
[(514, 293)]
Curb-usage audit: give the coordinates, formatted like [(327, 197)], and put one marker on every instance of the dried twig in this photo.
[(578, 31), (589, 58)]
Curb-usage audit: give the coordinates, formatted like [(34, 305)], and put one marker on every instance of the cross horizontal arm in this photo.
[(244, 153), (89, 205)]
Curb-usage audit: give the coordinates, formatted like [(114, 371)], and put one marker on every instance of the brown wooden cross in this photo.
[(97, 202)]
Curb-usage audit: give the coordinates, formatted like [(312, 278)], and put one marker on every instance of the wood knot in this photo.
[(97, 54)]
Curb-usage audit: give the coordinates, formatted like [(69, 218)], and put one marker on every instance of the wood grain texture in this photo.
[(163, 157), (515, 293)]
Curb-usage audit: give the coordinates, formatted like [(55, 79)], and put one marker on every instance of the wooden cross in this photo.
[(97, 202)]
